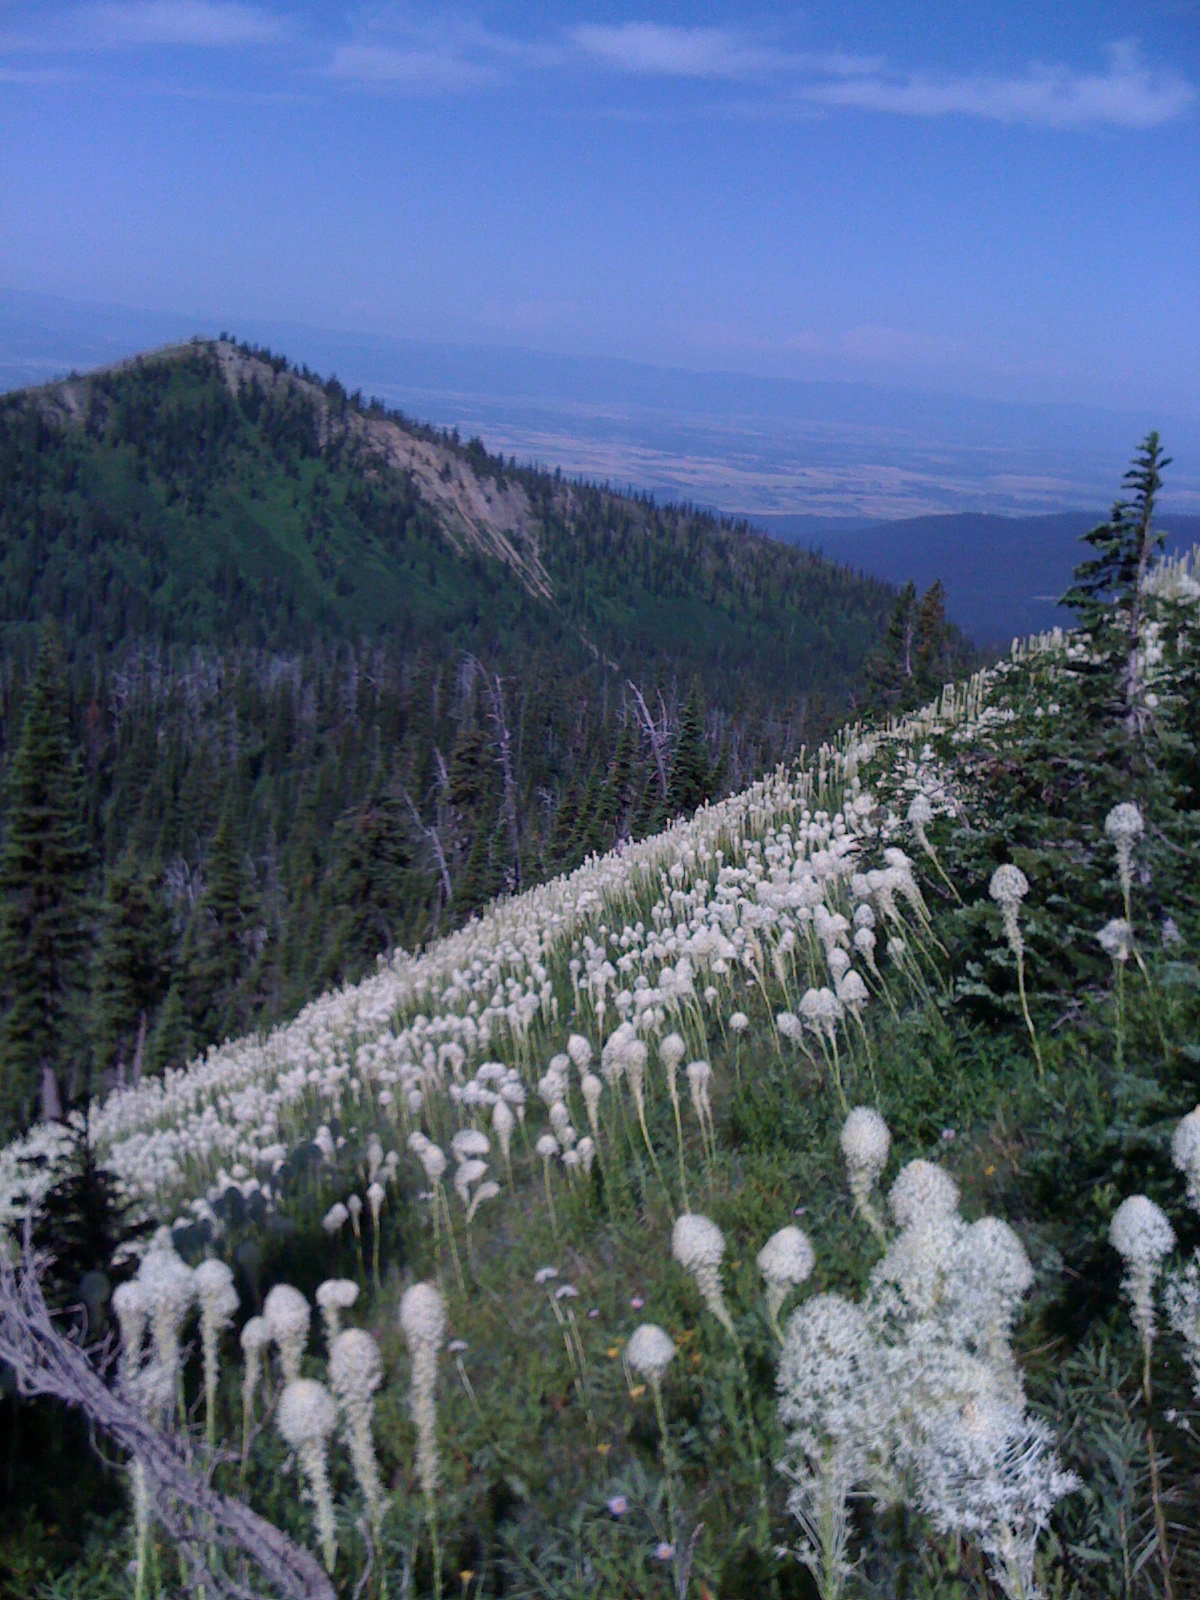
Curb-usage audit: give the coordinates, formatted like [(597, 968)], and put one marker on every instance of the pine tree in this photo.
[(689, 781), (172, 1043), (1107, 593), (370, 881), (44, 911), (80, 1223), (931, 654), (218, 947), (888, 670), (130, 973)]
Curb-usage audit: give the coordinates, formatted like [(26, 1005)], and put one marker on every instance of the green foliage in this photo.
[(919, 652), (44, 862), (130, 969), (1107, 592), (271, 746)]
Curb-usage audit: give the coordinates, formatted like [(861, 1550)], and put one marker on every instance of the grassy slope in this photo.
[(536, 1448)]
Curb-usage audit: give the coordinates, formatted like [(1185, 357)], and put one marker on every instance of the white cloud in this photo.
[(181, 22), (431, 68), (441, 53), (1127, 95), (652, 48)]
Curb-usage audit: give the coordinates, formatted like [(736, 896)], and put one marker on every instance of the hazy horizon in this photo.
[(736, 442)]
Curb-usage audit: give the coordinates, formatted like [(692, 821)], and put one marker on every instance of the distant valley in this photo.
[(1003, 575)]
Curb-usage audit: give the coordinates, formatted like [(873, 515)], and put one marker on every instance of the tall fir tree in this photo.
[(1106, 595), (689, 781), (219, 952), (371, 888), (889, 668), (131, 970), (44, 907)]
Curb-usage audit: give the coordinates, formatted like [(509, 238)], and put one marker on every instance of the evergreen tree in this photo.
[(889, 668), (44, 909), (130, 974), (689, 781), (79, 1225), (172, 1042), (220, 943), (1107, 593), (371, 886), (931, 665)]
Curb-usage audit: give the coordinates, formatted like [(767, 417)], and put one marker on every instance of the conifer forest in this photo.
[(554, 1048)]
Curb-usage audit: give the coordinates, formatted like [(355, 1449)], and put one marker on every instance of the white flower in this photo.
[(697, 1242), (467, 1173), (580, 1051), (920, 811), (355, 1372), (921, 1193), (1185, 1152), (306, 1413), (1009, 886), (787, 1258), (739, 1022), (986, 1470), (698, 1245), (287, 1315), (1116, 939), (213, 1282), (1140, 1233), (1124, 821), (671, 1051), (503, 1122), (131, 1309), (306, 1417), (336, 1218), (1142, 1237), (866, 1141), (423, 1319), (469, 1142), (785, 1261), (423, 1315), (333, 1297), (649, 1351), (831, 1384)]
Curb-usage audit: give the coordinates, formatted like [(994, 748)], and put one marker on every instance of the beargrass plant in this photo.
[(956, 1149)]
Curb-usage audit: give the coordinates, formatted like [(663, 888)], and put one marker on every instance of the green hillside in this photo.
[(326, 681), (208, 495)]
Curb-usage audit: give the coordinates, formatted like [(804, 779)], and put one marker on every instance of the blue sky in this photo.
[(1000, 200)]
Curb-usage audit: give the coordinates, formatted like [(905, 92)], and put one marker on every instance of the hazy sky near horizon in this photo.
[(999, 200)]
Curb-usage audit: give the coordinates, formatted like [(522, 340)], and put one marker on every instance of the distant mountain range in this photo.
[(733, 442), (1003, 575)]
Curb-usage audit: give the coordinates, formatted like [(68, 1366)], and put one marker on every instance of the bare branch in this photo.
[(433, 837), (657, 735), (45, 1362)]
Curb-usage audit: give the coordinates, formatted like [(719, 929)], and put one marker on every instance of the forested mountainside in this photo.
[(316, 681)]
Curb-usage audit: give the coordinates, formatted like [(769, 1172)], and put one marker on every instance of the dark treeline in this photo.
[(263, 716)]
